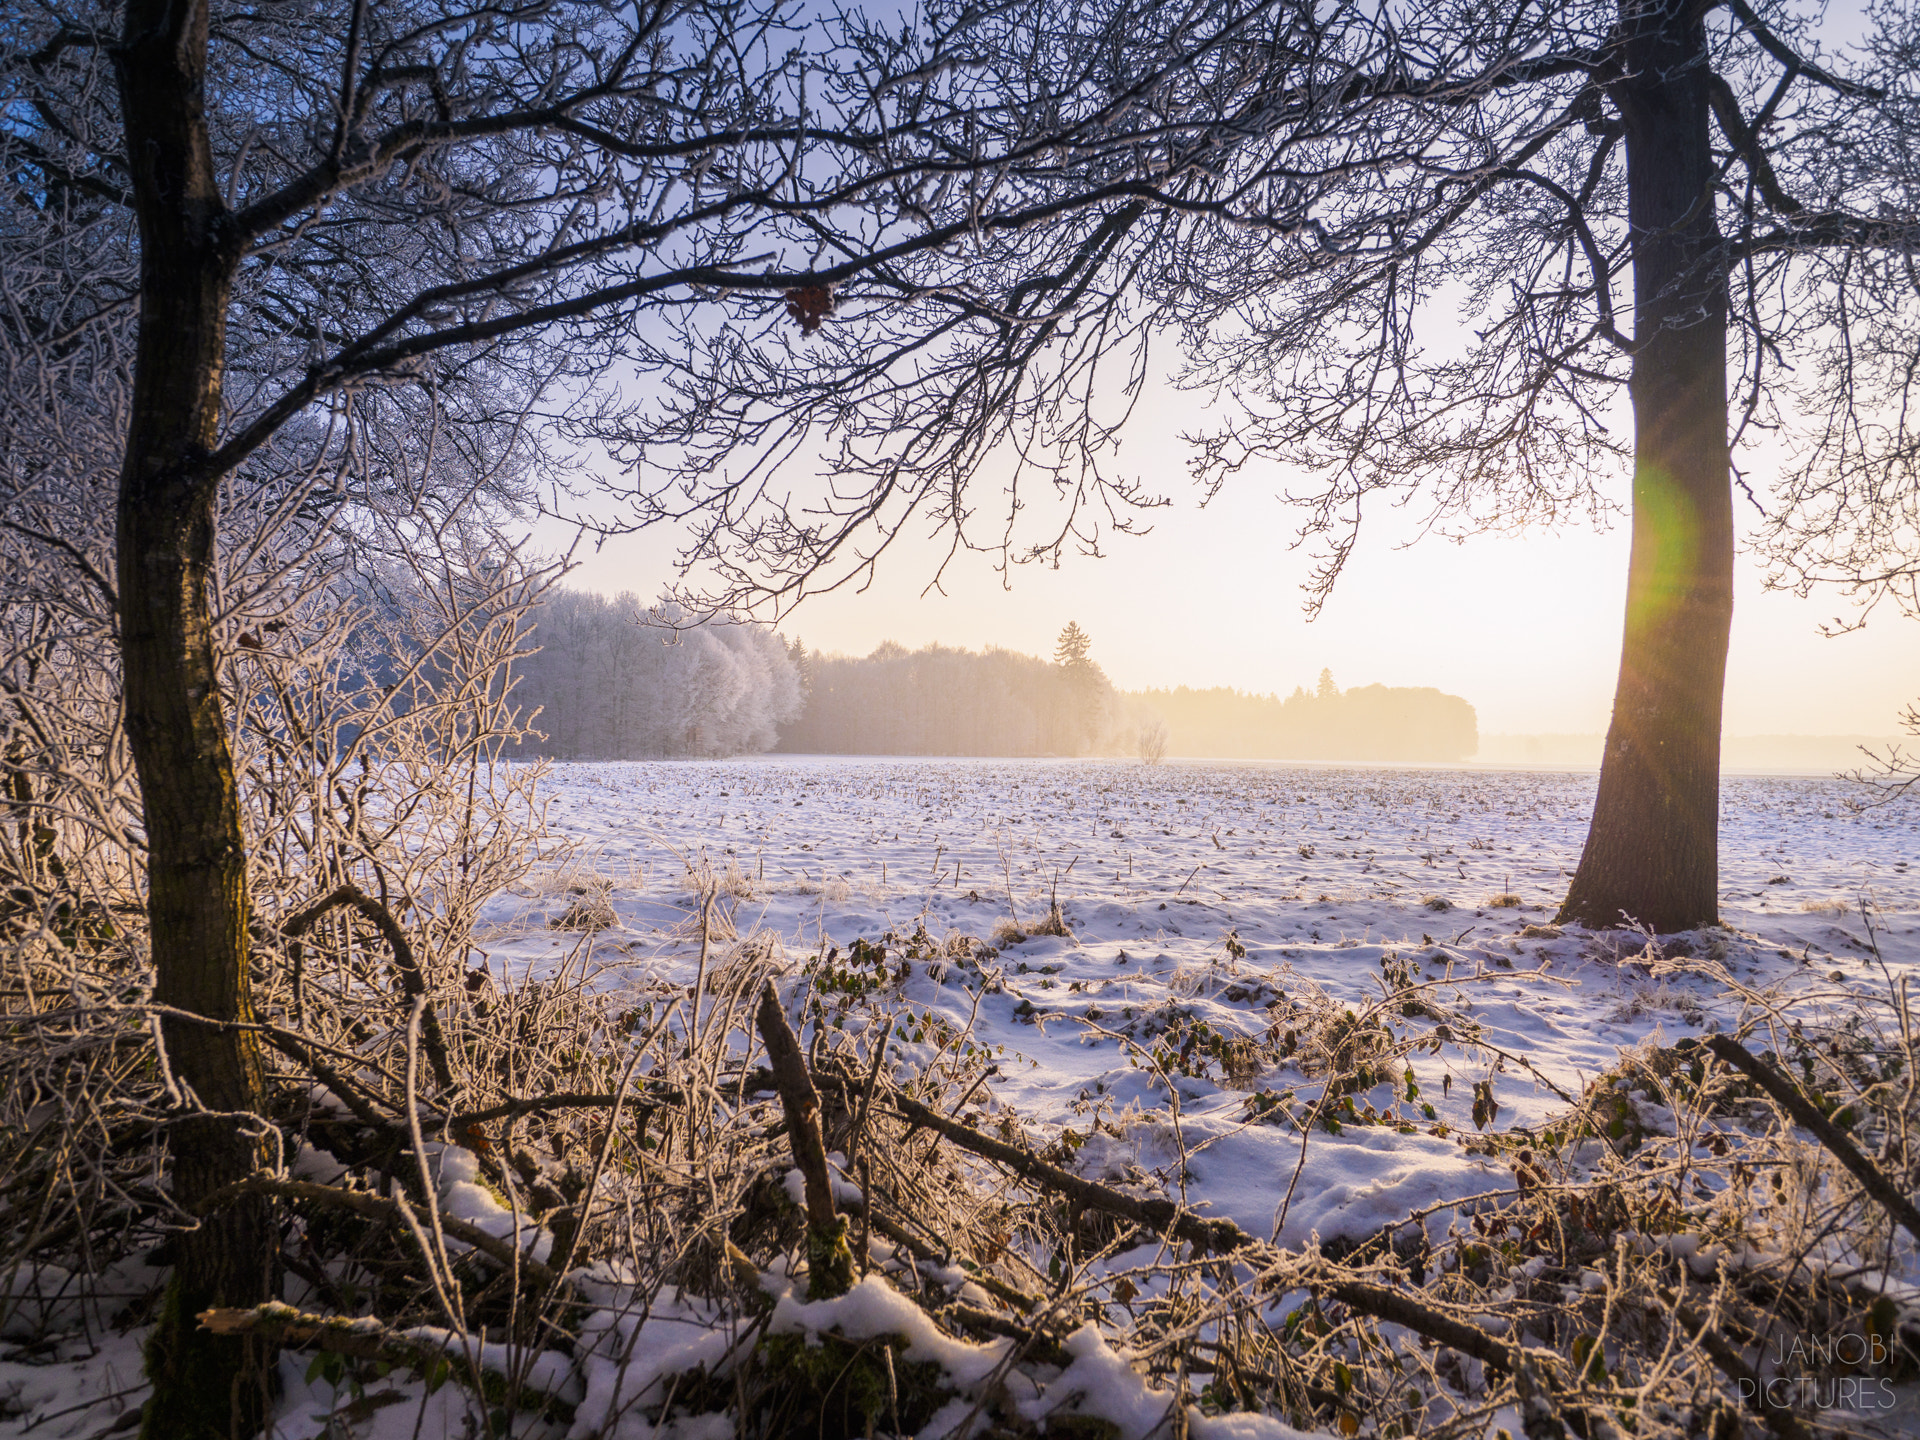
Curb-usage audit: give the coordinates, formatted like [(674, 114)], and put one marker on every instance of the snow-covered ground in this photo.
[(1196, 894), (1203, 891)]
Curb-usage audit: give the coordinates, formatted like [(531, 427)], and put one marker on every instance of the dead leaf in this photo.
[(809, 306)]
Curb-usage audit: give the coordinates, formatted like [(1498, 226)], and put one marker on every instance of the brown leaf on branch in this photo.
[(809, 306)]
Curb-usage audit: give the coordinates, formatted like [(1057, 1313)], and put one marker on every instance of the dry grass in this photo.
[(578, 874), (1588, 1239), (1054, 924), (588, 912)]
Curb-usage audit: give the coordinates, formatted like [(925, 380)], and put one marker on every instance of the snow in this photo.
[(76, 1388), (463, 1197), (676, 1335), (1205, 891), (874, 1308), (1098, 1381), (846, 1194), (1319, 873)]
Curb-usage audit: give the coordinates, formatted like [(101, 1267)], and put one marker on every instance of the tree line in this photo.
[(1366, 722), (940, 700), (613, 679)]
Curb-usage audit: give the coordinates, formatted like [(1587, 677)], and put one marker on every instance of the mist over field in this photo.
[(615, 679), (612, 679)]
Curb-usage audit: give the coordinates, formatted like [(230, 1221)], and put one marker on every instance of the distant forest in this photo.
[(619, 680), (1368, 722), (943, 701), (616, 680)]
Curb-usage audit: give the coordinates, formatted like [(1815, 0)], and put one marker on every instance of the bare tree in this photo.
[(1152, 741), (345, 236), (1434, 256)]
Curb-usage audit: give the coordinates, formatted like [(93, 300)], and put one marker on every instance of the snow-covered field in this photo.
[(1204, 901), (1202, 892)]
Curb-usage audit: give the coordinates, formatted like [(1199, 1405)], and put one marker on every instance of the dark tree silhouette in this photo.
[(1070, 651), (1081, 719)]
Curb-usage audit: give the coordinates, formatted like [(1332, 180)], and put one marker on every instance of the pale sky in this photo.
[(1526, 628)]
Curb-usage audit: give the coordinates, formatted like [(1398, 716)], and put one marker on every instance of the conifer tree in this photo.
[(1070, 653)]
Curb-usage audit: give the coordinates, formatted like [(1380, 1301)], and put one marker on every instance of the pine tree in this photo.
[(1070, 652), (1078, 715), (802, 665)]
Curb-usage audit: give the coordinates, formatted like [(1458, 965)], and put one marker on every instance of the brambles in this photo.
[(1666, 1192), (651, 1170), (1186, 1046)]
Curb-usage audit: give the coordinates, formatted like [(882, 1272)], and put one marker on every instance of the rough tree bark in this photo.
[(204, 1385), (1652, 854)]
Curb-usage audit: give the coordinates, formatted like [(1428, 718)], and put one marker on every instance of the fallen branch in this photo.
[(1398, 1309), (368, 1339), (1784, 1424), (1804, 1114), (829, 1261), (538, 1104), (1161, 1216), (920, 1250), (1220, 1236), (1034, 1343), (379, 1207)]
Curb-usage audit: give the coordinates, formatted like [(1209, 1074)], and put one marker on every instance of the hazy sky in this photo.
[(1526, 628)]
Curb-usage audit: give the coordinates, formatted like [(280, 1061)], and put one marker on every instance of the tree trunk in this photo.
[(204, 1386), (1652, 852)]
